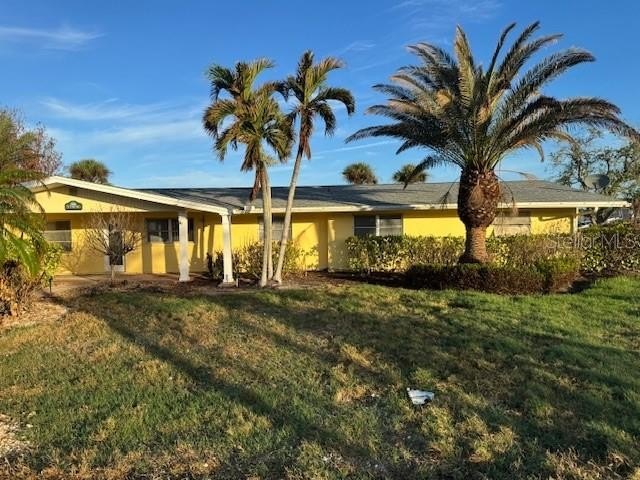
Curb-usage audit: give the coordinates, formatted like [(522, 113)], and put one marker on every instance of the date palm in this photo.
[(359, 174), (251, 117), (473, 117), (410, 173), (312, 99)]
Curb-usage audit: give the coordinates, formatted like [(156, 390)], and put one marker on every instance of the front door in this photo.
[(115, 245)]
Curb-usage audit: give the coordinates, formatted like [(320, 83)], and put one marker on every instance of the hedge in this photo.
[(601, 250), (544, 277)]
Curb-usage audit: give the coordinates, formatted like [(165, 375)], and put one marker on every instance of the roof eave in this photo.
[(125, 192)]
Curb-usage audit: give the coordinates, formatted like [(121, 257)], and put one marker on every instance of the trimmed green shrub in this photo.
[(559, 273), (485, 278), (247, 260), (610, 249), (550, 275), (398, 253)]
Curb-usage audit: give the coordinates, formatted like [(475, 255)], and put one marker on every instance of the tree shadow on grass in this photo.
[(491, 375)]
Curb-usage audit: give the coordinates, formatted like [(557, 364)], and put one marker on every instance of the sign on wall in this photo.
[(73, 205)]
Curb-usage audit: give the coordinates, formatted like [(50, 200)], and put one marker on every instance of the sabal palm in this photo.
[(473, 117), (251, 117), (312, 99), (359, 174), (410, 173), (90, 170)]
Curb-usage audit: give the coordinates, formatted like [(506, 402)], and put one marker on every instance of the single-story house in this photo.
[(181, 225)]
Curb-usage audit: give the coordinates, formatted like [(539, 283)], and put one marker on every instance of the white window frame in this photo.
[(378, 216), (171, 237), (276, 236), (67, 245)]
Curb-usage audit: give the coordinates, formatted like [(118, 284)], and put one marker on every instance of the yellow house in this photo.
[(181, 225)]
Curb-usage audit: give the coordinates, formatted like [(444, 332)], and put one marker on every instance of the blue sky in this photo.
[(124, 82)]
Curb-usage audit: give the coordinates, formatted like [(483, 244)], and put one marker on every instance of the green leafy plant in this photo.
[(247, 260)]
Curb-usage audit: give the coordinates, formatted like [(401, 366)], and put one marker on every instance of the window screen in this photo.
[(175, 230), (364, 225), (277, 224), (167, 230), (59, 233), (389, 225), (158, 230), (512, 224), (377, 225)]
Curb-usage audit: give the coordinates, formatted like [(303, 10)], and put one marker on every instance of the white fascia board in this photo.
[(126, 192), (446, 206)]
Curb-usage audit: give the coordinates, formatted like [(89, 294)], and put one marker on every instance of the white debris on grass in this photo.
[(10, 443), (419, 397)]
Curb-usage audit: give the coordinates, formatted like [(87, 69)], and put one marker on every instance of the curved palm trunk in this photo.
[(284, 240), (478, 199), (266, 231)]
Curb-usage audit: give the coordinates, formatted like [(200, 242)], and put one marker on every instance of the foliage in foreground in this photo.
[(611, 249), (311, 384), (550, 275), (247, 260)]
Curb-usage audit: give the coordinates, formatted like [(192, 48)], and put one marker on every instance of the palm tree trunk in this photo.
[(478, 199), (287, 215), (475, 247), (266, 231)]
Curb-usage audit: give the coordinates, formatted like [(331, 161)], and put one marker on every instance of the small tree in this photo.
[(360, 174), (114, 234)]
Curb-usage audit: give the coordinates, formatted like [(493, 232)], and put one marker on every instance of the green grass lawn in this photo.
[(311, 384)]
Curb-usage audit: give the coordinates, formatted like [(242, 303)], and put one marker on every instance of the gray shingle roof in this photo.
[(380, 196)]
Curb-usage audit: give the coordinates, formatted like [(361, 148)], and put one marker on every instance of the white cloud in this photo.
[(358, 147), (357, 46), (62, 38), (106, 110), (198, 178), (169, 131)]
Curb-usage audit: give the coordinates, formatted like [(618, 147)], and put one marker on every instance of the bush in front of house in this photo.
[(546, 276), (247, 260), (398, 253), (610, 249), (18, 281)]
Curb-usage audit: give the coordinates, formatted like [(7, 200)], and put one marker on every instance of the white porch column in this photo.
[(227, 261), (183, 250)]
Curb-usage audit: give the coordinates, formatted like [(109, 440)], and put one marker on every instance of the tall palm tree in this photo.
[(359, 174), (312, 99), (250, 116), (410, 173), (90, 170), (473, 117)]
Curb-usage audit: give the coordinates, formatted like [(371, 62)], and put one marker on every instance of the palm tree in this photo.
[(473, 117), (359, 174), (251, 117), (312, 99), (410, 173), (90, 170)]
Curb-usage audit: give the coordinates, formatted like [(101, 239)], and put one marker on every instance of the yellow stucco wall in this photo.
[(320, 236)]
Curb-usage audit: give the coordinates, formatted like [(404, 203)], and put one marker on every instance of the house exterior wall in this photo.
[(320, 236)]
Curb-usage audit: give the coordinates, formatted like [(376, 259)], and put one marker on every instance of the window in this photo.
[(59, 233), (166, 230), (277, 225), (512, 224), (377, 225), (175, 230)]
